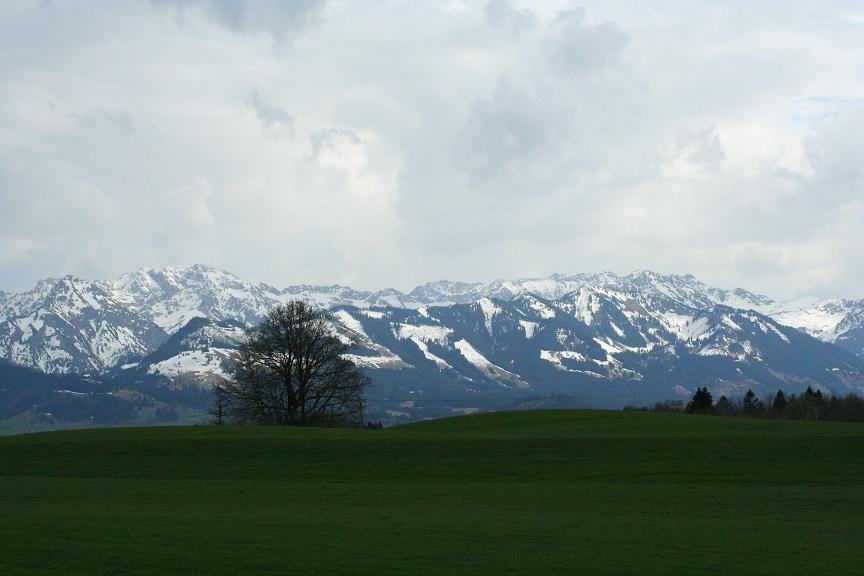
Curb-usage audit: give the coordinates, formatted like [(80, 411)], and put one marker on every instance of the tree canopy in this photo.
[(290, 370)]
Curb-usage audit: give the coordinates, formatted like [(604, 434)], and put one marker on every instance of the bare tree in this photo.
[(290, 370)]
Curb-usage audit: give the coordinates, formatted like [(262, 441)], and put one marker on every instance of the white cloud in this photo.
[(854, 17), (381, 144)]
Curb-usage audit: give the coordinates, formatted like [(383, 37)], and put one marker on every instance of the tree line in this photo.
[(809, 405)]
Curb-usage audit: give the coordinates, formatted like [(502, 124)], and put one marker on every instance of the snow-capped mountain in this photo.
[(330, 296), (601, 347), (170, 297), (838, 321), (606, 338), (71, 325), (199, 353), (685, 290), (74, 325)]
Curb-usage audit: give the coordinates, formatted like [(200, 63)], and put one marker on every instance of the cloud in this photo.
[(378, 144), (502, 14), (332, 139), (854, 17), (274, 119), (700, 147), (576, 47), (281, 20)]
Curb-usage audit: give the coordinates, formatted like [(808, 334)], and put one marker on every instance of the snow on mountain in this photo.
[(628, 353), (684, 290), (199, 353), (529, 328), (551, 288), (332, 296), (493, 372), (200, 363), (424, 348), (445, 292), (170, 297), (826, 320), (489, 311), (556, 357), (73, 325), (593, 337), (424, 333), (837, 321), (364, 352), (820, 321)]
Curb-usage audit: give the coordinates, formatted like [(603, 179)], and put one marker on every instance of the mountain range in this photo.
[(585, 339)]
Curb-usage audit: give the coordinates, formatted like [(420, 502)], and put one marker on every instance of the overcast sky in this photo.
[(389, 143)]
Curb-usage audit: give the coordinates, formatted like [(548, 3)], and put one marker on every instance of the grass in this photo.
[(557, 492)]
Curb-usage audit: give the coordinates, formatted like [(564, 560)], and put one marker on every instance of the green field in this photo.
[(557, 492)]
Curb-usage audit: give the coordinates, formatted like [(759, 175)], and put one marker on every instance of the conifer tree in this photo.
[(723, 406), (779, 404), (752, 405), (701, 402)]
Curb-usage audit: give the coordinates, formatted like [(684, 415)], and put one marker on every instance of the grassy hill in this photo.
[(553, 492)]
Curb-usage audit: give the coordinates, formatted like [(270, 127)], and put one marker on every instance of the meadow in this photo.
[(544, 492)]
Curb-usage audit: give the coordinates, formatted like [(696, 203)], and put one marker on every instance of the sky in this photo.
[(388, 143)]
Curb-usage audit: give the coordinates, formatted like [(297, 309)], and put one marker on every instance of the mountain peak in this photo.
[(591, 333), (171, 296)]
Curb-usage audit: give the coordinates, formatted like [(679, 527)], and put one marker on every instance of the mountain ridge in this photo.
[(71, 325)]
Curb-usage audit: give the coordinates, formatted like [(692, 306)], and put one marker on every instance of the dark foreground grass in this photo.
[(559, 492)]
